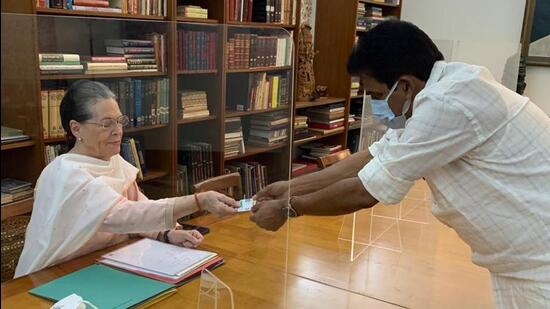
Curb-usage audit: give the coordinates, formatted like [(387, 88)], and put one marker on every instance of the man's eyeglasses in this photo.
[(111, 123)]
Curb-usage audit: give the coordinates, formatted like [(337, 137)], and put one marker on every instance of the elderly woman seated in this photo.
[(88, 198)]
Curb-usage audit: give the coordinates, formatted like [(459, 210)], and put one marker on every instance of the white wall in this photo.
[(538, 87), (484, 32)]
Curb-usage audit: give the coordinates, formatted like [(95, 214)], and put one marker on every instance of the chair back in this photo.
[(329, 160), (13, 239), (228, 184)]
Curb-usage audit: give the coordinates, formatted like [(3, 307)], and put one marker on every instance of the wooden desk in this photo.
[(254, 269), (304, 265)]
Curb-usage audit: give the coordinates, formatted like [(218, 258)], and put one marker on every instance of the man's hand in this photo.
[(275, 191), (269, 215)]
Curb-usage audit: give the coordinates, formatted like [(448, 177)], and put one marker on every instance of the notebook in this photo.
[(159, 260), (104, 287)]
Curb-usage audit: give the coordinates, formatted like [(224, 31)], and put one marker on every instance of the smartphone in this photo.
[(203, 230)]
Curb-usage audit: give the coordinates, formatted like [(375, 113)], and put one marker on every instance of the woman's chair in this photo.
[(13, 239), (229, 184), (331, 159)]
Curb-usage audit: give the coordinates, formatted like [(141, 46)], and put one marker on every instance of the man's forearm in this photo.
[(343, 197), (344, 169)]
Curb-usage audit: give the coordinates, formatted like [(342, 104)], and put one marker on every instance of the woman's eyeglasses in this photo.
[(112, 123)]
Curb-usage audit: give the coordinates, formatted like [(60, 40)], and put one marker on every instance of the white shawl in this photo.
[(73, 196)]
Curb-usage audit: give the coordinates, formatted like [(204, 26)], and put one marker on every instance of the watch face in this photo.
[(289, 212)]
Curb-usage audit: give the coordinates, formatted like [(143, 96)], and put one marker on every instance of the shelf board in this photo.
[(17, 145), (195, 72), (101, 75), (356, 97), (260, 69), (53, 140), (319, 102), (153, 174), (231, 114), (254, 150), (260, 25), (379, 3), (360, 30), (194, 120), (50, 11), (17, 208), (144, 128), (197, 20), (318, 136)]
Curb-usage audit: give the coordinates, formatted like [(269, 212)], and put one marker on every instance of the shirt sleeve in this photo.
[(140, 216), (439, 132)]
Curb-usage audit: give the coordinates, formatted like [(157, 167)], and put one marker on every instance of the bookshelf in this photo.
[(53, 30), (330, 63)]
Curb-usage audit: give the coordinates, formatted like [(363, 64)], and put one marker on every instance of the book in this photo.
[(12, 186), (159, 260), (13, 135), (103, 286)]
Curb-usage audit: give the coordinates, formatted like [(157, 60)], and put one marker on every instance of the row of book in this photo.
[(14, 190), (268, 129), (10, 135), (197, 50), (195, 164), (246, 50), (132, 7), (193, 11), (302, 167), (253, 176), (193, 104), (369, 16), (148, 55), (59, 63), (50, 101), (301, 129), (326, 119), (53, 151), (132, 151), (312, 152), (258, 91), (234, 138), (270, 11), (144, 101)]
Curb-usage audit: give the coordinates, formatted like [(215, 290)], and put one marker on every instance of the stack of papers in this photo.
[(161, 261), (12, 135)]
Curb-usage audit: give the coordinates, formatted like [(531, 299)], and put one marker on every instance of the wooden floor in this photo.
[(415, 262)]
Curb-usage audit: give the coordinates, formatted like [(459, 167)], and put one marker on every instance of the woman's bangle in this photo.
[(197, 201), (165, 236)]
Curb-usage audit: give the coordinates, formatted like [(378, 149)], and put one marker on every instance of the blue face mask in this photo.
[(382, 111)]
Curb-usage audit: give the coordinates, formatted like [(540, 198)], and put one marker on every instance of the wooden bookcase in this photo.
[(330, 63), (72, 31)]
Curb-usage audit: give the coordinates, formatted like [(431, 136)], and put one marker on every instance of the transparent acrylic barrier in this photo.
[(204, 100), (213, 293)]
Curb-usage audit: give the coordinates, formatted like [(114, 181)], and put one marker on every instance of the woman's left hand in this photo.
[(184, 238)]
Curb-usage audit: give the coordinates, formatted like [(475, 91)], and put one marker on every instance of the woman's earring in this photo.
[(80, 139)]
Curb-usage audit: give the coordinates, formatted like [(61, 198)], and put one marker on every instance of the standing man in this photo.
[(483, 149)]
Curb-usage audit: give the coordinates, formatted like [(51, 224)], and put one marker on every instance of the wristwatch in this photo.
[(289, 210)]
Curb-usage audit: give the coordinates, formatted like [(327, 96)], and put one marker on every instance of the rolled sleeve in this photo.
[(383, 186)]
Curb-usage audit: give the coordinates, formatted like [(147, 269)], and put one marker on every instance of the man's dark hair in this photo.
[(392, 49)]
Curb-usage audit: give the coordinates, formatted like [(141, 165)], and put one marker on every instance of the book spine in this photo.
[(45, 113)]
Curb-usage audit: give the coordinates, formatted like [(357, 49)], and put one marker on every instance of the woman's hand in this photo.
[(217, 203), (184, 238)]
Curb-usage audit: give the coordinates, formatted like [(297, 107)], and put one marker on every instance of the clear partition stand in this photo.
[(351, 229), (213, 293)]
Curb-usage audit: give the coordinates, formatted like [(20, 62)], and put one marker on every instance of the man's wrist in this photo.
[(290, 207)]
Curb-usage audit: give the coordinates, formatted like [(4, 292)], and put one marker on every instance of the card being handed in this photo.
[(246, 205)]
